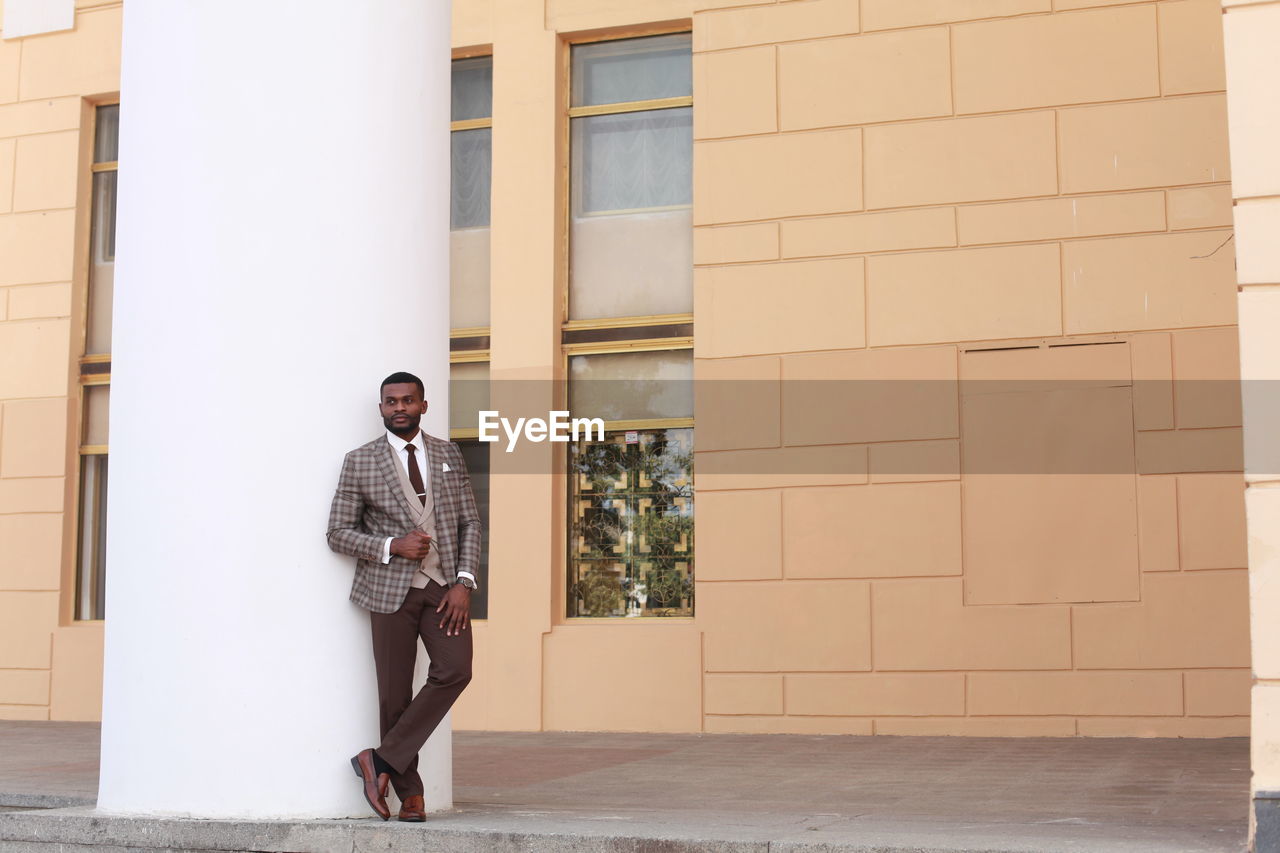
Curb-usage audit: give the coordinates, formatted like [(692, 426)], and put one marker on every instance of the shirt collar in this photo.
[(398, 444)]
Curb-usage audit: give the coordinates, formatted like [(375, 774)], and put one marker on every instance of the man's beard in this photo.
[(409, 426)]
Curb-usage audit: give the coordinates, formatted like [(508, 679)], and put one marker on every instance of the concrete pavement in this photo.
[(604, 791)]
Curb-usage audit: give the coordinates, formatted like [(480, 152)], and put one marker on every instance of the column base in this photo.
[(1266, 814)]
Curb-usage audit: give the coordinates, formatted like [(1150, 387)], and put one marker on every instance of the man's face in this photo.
[(402, 407)]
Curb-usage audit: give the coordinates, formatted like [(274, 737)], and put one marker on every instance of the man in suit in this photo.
[(405, 510)]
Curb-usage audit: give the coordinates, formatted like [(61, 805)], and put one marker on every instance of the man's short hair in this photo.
[(400, 378)]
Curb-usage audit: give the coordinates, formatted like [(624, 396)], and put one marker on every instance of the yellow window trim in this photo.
[(619, 322), (471, 124), (622, 620), (638, 345), (624, 211), (631, 106), (652, 423), (665, 28)]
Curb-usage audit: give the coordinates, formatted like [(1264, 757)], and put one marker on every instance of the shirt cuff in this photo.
[(471, 576), (386, 550)]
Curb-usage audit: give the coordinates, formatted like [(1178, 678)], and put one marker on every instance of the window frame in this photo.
[(472, 332), (473, 357), (470, 345), (92, 370), (568, 183), (646, 337), (566, 490)]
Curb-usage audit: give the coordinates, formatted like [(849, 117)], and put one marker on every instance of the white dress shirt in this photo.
[(398, 444)]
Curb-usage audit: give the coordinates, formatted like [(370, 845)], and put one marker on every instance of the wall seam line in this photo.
[(951, 66), (18, 84), (702, 682), (1159, 53), (1071, 637), (871, 626), (1062, 289), (49, 690)]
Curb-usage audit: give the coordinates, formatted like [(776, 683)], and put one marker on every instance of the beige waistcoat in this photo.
[(426, 522)]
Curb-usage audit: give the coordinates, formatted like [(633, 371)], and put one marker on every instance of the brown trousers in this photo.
[(406, 720)]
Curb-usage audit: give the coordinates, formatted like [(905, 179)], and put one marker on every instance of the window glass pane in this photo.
[(632, 385), (469, 219), (468, 394), (628, 161), (101, 263), (476, 455), (91, 551), (472, 88), (468, 278), (631, 265), (611, 72), (471, 157), (631, 525), (106, 139), (97, 400), (631, 228)]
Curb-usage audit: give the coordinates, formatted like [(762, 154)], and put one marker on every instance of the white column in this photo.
[(1250, 34), (282, 245)]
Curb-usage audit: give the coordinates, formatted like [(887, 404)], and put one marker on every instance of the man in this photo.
[(405, 510)]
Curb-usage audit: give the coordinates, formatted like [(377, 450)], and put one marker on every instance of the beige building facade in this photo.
[(955, 282)]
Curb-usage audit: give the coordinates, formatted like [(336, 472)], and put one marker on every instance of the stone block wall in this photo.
[(934, 192)]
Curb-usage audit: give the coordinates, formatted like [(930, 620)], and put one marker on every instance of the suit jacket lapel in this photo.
[(435, 465), (393, 472)]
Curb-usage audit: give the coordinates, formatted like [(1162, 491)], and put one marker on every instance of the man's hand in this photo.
[(456, 606), (415, 545)]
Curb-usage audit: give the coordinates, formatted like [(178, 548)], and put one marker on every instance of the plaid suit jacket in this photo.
[(369, 506)]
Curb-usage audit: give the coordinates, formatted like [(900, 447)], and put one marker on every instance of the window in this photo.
[(631, 183), (471, 156), (631, 496), (95, 369), (468, 394), (628, 333), (470, 189)]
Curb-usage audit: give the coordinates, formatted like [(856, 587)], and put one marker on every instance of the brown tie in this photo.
[(415, 476)]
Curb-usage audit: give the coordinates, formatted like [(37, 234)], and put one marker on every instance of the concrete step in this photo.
[(500, 830)]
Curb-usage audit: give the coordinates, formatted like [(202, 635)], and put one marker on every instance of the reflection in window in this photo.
[(476, 455), (631, 530), (468, 394), (632, 386), (92, 538), (631, 496)]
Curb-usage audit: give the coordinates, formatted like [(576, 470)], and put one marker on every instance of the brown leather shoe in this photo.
[(375, 784), (413, 809)]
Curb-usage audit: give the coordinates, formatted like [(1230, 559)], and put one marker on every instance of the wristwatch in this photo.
[(467, 582)]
